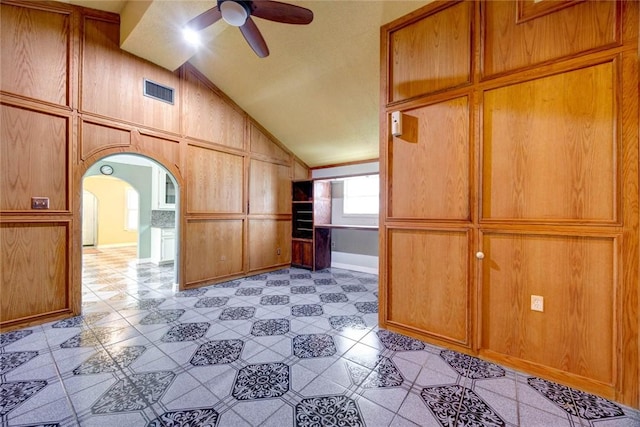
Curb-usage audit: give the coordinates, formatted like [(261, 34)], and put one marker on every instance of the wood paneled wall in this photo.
[(516, 175), (69, 97)]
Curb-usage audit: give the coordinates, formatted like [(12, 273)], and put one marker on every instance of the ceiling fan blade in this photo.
[(281, 12), (254, 38), (205, 19)]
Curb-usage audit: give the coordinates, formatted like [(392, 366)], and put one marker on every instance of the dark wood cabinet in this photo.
[(311, 204)]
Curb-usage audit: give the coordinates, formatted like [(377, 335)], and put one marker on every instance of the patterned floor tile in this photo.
[(397, 342), (186, 332), (230, 284), (247, 292), (189, 293), (367, 307), (328, 411), (10, 361), (261, 381), (13, 393), (203, 417), (277, 282), (217, 352), (209, 302), (78, 321), (575, 402), (274, 300), (343, 322), (334, 297), (313, 345), (324, 282), (454, 405), (471, 367), (237, 313), (311, 357), (92, 337), (104, 361), (354, 288), (302, 289), (135, 393), (263, 328), (307, 310), (162, 316), (13, 336), (384, 374)]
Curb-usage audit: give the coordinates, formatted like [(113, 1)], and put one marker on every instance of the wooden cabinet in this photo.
[(516, 175), (311, 204)]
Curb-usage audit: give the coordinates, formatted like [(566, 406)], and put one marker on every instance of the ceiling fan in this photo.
[(238, 13)]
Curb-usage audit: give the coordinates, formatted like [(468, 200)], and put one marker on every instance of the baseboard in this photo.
[(355, 262)]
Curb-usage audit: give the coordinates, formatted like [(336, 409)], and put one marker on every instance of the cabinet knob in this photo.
[(480, 255)]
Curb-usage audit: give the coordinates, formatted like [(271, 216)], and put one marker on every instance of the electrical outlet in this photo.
[(333, 245), (537, 303), (39, 203)]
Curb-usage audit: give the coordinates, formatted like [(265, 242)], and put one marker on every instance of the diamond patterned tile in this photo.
[(284, 348), (261, 381), (328, 411)]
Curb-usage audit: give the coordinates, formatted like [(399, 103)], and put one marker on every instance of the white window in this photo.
[(362, 195), (131, 210)]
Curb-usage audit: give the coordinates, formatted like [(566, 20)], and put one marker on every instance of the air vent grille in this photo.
[(158, 91)]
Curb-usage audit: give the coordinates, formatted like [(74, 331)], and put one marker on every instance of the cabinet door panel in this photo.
[(511, 43), (33, 271), (429, 281), (575, 276), (431, 54), (429, 178), (215, 182), (269, 188), (549, 149), (269, 243), (214, 249)]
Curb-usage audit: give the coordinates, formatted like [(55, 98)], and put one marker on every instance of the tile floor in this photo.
[(288, 348)]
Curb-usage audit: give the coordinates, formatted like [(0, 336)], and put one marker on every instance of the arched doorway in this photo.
[(137, 223)]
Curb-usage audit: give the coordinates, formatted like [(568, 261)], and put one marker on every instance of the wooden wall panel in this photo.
[(215, 182), (33, 156), (429, 282), (210, 118), (510, 43), (550, 147), (213, 249), (429, 178), (261, 144), (269, 188), (300, 171), (577, 278), (96, 137), (447, 37), (112, 81), (165, 148), (35, 52), (34, 273), (269, 243)]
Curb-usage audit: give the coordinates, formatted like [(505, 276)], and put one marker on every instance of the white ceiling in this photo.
[(317, 91)]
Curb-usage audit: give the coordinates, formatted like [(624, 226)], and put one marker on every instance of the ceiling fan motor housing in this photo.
[(235, 12)]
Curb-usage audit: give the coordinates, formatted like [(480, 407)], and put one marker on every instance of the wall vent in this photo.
[(158, 91)]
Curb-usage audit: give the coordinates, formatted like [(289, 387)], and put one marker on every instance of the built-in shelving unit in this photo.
[(311, 204)]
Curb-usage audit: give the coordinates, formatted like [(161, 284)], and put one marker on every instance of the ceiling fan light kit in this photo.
[(234, 12), (238, 13)]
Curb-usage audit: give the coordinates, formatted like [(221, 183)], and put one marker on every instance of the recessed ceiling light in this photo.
[(191, 36)]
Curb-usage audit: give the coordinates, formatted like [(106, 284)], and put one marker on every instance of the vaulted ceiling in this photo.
[(318, 91)]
